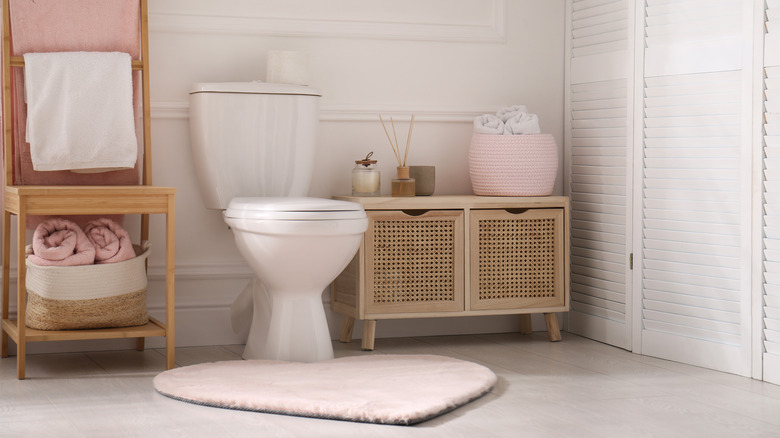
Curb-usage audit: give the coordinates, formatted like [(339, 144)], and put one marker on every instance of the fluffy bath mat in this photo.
[(386, 389)]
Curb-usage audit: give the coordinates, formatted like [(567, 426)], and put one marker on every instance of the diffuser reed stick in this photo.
[(397, 150), (394, 144), (397, 157), (408, 139)]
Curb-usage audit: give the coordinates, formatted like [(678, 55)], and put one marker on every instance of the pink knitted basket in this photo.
[(513, 165)]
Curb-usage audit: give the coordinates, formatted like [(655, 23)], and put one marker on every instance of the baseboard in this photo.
[(204, 297)]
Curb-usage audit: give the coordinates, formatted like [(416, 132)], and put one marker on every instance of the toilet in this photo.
[(253, 147)]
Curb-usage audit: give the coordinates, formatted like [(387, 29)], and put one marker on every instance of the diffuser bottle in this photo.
[(403, 185)]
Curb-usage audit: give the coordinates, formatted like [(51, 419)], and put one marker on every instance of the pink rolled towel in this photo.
[(111, 241), (60, 242)]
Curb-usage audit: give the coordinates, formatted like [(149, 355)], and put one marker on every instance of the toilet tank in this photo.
[(252, 139)]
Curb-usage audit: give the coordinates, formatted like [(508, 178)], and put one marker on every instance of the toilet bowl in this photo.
[(253, 148), (296, 247)]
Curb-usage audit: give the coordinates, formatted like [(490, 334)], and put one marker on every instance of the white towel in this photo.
[(488, 124), (511, 111), (80, 110), (522, 123)]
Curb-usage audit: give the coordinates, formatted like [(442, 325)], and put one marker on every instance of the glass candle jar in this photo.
[(365, 178)]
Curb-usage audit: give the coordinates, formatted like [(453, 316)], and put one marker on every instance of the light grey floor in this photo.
[(573, 388)]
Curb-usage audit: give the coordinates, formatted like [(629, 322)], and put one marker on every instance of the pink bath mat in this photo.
[(385, 389)]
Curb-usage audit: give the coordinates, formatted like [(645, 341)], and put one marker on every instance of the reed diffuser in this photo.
[(403, 185)]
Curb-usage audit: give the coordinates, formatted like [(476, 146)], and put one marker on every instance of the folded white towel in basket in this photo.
[(507, 113), (488, 124), (80, 111), (522, 123)]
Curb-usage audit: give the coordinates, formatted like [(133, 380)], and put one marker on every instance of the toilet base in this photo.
[(289, 326)]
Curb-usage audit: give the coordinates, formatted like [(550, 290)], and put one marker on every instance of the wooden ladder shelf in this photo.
[(25, 200)]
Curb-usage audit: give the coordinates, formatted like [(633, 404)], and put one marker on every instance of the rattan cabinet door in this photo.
[(516, 259), (414, 261)]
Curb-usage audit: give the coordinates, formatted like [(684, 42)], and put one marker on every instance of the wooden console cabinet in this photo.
[(439, 256)]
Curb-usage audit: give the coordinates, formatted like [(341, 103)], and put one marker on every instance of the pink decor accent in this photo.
[(70, 26), (111, 241), (513, 165), (60, 242)]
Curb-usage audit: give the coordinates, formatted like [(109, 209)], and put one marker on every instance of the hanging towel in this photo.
[(60, 242), (71, 26), (488, 124), (511, 111), (80, 111), (111, 241), (521, 124)]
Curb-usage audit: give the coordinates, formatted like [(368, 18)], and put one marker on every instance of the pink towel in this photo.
[(71, 26), (60, 242), (112, 243)]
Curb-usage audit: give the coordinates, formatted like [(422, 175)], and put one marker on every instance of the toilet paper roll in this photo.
[(287, 67)]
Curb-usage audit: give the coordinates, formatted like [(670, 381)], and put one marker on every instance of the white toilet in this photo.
[(253, 149)]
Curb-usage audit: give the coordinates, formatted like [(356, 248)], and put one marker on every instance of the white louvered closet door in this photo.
[(598, 151), (695, 185), (771, 304)]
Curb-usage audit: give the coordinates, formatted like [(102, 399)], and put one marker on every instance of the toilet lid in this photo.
[(294, 209)]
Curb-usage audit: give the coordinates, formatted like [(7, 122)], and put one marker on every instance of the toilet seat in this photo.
[(297, 209)]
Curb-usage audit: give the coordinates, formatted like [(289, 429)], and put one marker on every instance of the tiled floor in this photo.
[(574, 388)]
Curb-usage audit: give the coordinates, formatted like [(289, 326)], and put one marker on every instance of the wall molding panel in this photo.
[(203, 306), (356, 113), (366, 23)]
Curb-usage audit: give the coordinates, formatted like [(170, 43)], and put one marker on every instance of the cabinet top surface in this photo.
[(457, 202)]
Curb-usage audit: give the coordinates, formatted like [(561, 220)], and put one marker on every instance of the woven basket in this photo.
[(88, 296), (513, 165)]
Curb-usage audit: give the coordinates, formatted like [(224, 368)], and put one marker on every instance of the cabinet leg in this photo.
[(140, 344), (20, 353), (526, 328), (6, 257), (170, 352), (21, 295), (369, 330), (346, 329), (170, 284), (553, 332)]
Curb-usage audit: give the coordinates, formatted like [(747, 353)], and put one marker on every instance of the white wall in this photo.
[(446, 61)]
